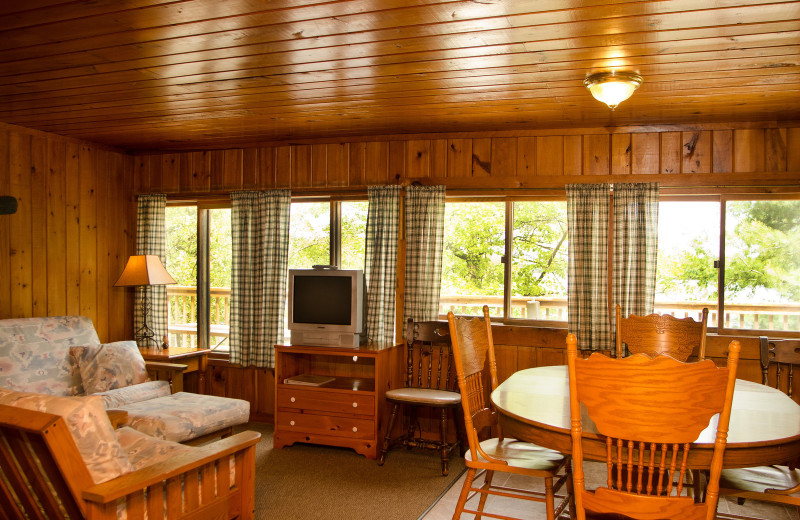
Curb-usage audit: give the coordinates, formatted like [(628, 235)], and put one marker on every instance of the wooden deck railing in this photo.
[(183, 312)]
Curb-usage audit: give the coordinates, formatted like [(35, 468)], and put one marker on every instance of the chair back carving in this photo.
[(656, 334), (784, 354), (472, 348), (649, 410), (429, 362)]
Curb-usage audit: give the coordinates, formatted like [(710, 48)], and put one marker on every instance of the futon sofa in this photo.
[(63, 356)]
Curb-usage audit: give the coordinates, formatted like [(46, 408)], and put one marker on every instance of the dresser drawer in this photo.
[(337, 426), (345, 403)]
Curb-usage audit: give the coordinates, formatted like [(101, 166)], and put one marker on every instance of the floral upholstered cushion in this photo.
[(143, 450), (34, 353), (110, 365), (89, 426), (135, 393), (183, 415)]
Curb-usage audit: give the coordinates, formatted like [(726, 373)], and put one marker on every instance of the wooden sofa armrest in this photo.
[(196, 483), (172, 372)]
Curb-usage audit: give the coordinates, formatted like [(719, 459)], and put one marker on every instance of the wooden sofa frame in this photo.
[(42, 475)]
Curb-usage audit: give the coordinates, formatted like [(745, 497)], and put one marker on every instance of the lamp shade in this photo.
[(144, 270), (612, 88)]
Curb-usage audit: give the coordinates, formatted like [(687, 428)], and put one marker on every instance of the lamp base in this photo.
[(144, 335)]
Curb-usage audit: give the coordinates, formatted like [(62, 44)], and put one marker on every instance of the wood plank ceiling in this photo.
[(195, 74)]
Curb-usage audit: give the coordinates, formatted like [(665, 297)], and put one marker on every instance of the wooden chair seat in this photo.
[(771, 480), (520, 455), (424, 396)]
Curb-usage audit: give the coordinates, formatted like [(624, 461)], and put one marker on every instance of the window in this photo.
[(473, 263), (181, 244)]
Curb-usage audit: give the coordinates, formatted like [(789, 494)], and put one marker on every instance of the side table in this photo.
[(196, 360)]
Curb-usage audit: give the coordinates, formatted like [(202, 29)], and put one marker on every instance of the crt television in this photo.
[(326, 307)]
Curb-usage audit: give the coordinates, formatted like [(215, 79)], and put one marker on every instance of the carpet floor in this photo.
[(310, 482)]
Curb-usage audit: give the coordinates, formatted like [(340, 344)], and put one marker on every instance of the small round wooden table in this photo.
[(765, 423)]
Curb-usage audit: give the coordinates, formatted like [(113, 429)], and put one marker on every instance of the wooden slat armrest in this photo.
[(117, 417), (129, 483)]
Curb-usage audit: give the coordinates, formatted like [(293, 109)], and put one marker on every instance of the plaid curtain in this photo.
[(424, 219), (587, 216), (380, 269), (151, 239), (260, 250), (635, 247)]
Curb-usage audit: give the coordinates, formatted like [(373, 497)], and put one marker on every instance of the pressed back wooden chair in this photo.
[(778, 484), (430, 384), (489, 451), (43, 476), (649, 410), (661, 334)]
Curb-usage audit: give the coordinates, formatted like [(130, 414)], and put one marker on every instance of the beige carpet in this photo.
[(312, 482)]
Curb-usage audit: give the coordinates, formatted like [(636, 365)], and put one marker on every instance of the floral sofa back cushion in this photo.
[(34, 353)]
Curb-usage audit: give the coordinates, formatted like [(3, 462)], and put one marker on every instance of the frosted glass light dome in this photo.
[(612, 88)]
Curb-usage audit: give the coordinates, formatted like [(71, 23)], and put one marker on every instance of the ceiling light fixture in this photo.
[(612, 88)]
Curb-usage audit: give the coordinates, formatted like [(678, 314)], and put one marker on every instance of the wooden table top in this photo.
[(171, 353), (765, 423)]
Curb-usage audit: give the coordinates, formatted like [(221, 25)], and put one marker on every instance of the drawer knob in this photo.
[(355, 405), (291, 423), (355, 429), (291, 399)]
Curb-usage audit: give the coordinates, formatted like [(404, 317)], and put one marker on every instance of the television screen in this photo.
[(322, 300)]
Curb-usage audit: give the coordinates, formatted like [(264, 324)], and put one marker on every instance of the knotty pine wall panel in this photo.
[(70, 238), (710, 155)]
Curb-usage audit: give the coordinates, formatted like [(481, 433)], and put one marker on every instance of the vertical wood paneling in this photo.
[(526, 157), (170, 173), (216, 163), (338, 158), (439, 158), (722, 144), (376, 163), (250, 167), (201, 171), (596, 150), (481, 157), (621, 154), (397, 161), (573, 155), (265, 176), (793, 149), (56, 228), (73, 238), (671, 152), (356, 174), (21, 237), (550, 155), (301, 166), (88, 231), (284, 165), (5, 228), (696, 152), (418, 159), (69, 239), (185, 172), (38, 182), (459, 157), (748, 150), (645, 153), (319, 165), (504, 156), (775, 153), (156, 175), (232, 169)]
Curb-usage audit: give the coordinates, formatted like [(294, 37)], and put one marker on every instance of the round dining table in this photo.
[(533, 405)]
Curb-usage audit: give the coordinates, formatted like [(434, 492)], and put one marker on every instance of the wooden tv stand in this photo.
[(348, 411)]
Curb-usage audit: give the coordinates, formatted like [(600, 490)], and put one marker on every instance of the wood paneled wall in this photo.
[(701, 156), (66, 245)]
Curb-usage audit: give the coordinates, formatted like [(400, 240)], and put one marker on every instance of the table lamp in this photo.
[(143, 271)]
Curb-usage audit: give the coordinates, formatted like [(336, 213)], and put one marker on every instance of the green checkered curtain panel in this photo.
[(260, 250), (424, 218), (633, 280), (380, 269), (151, 239), (587, 217)]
